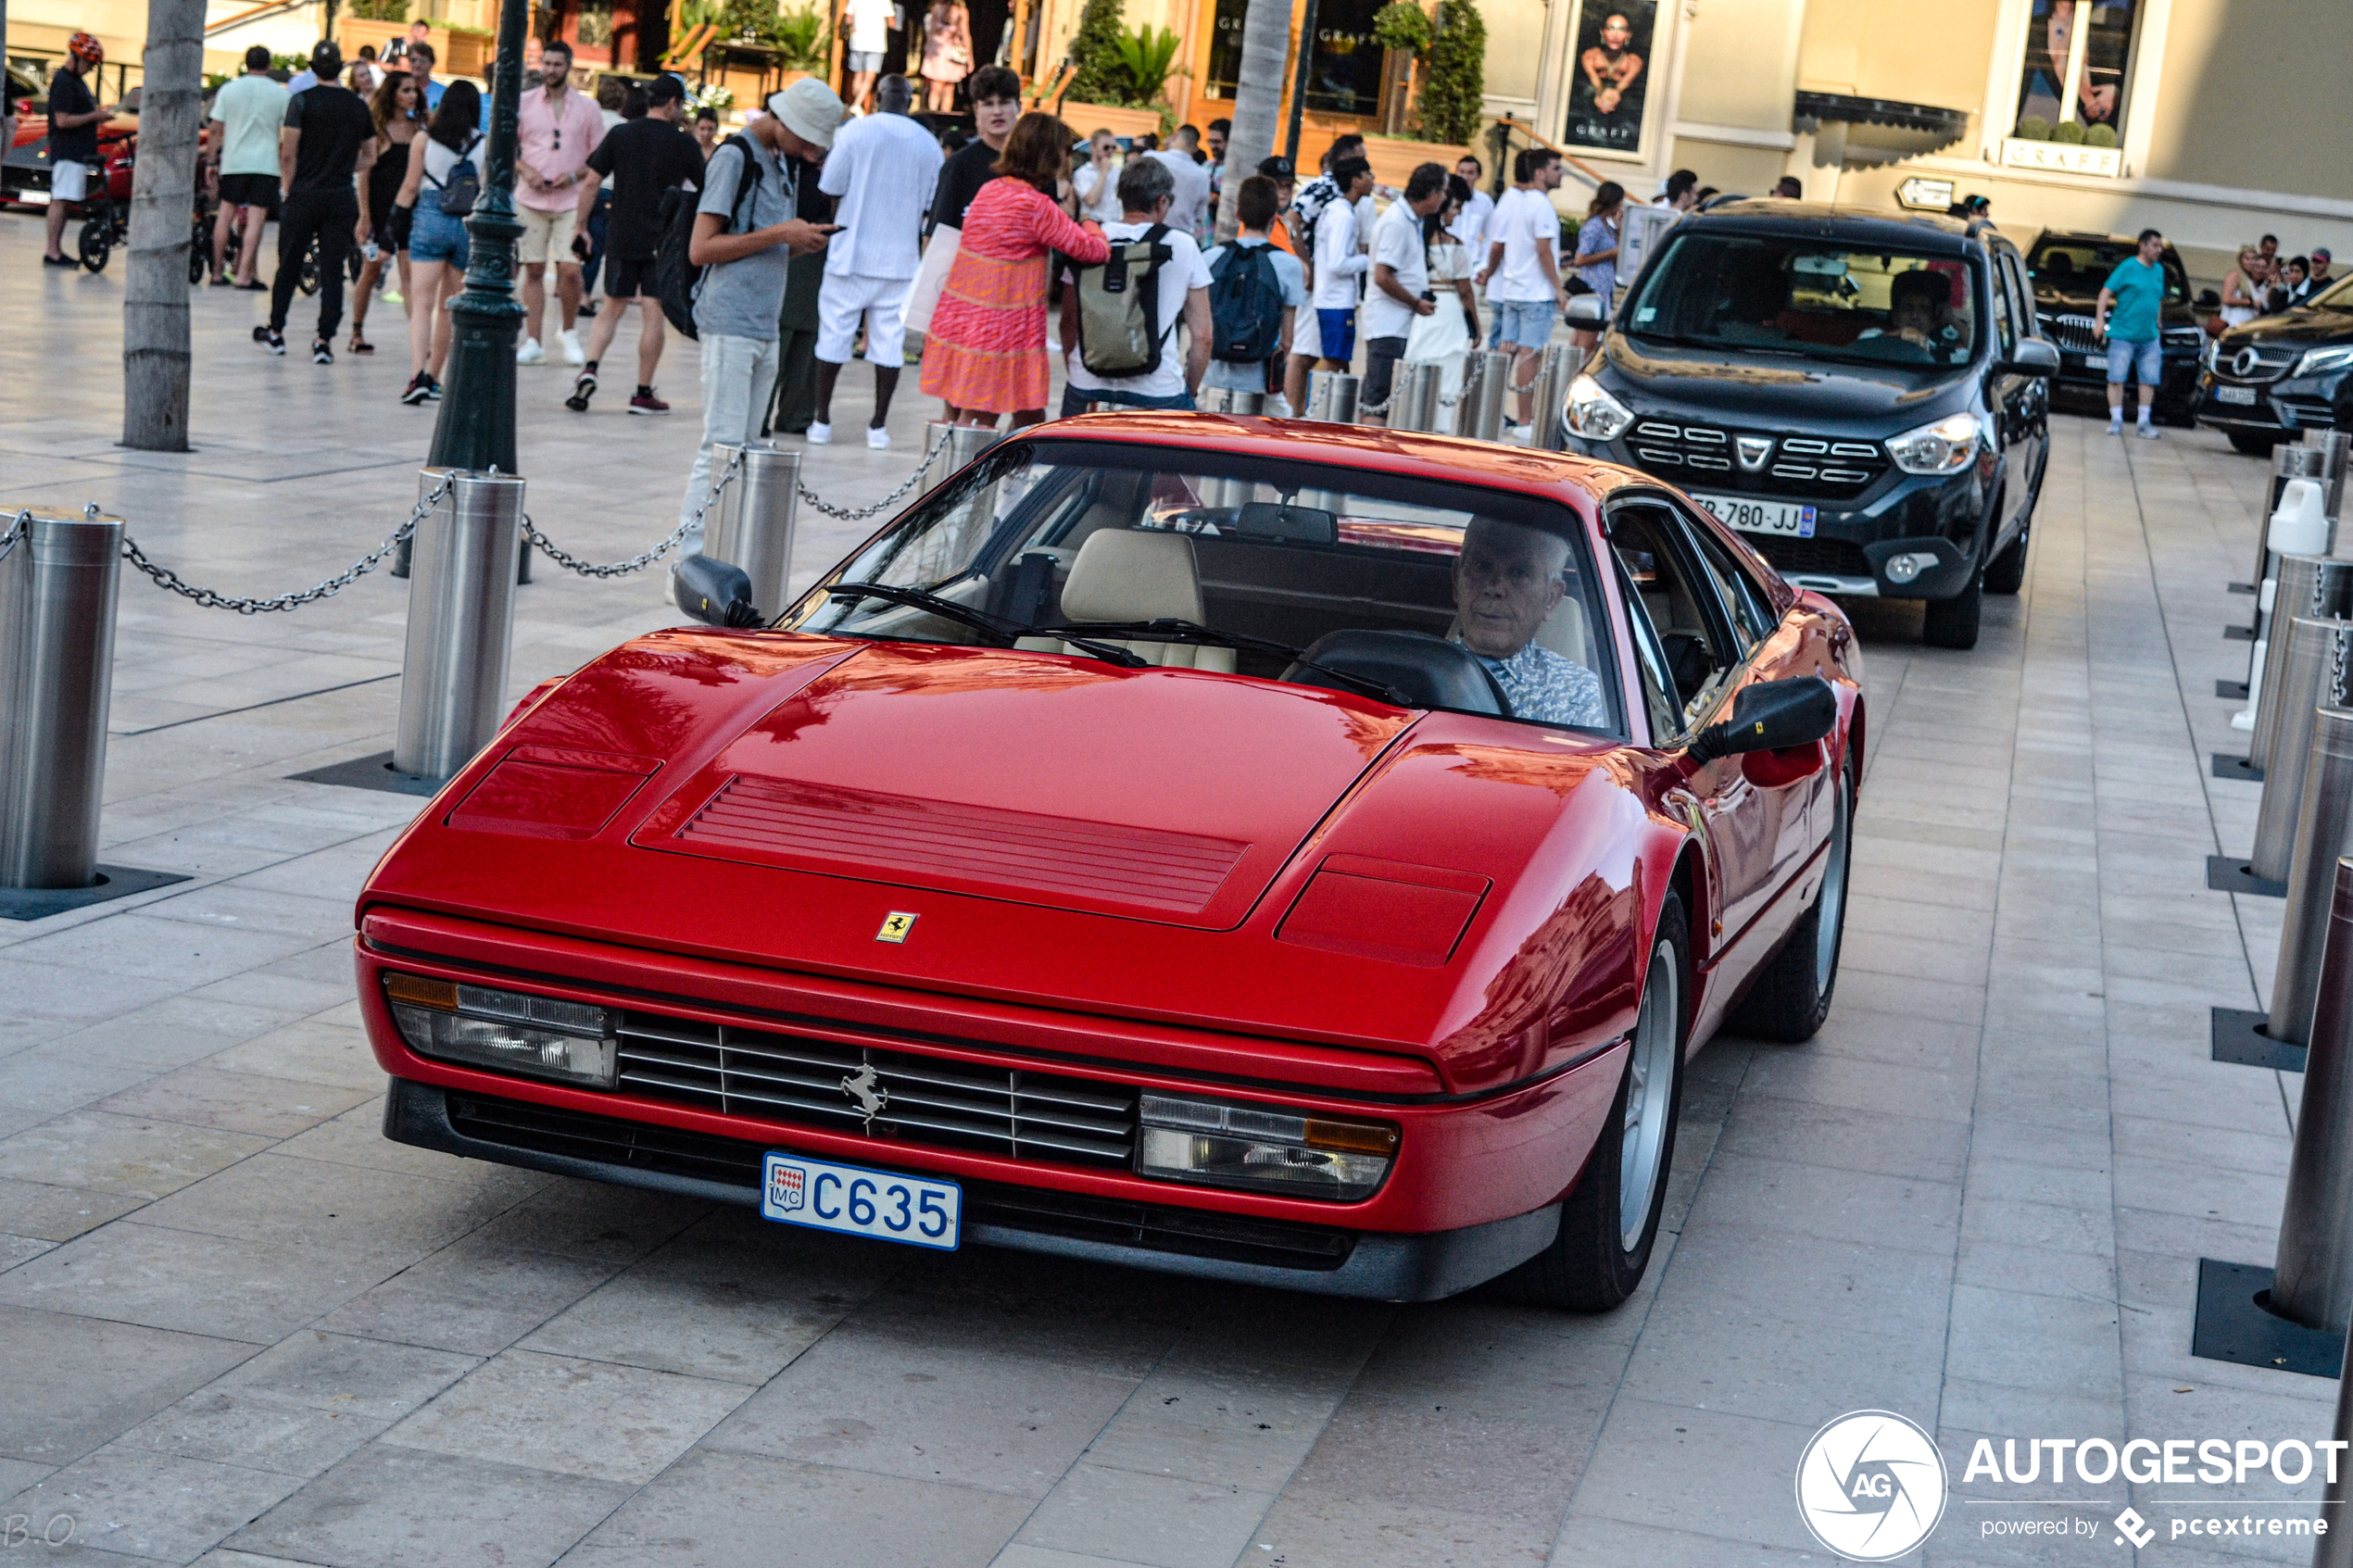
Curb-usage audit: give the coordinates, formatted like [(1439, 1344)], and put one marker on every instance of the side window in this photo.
[(2022, 296), (1744, 601), (1670, 588), (1659, 697), (2005, 327)]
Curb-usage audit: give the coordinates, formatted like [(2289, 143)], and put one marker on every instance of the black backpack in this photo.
[(675, 278), (464, 186), (1245, 305)]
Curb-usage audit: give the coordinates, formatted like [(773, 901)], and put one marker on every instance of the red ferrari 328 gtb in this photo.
[(1273, 851)]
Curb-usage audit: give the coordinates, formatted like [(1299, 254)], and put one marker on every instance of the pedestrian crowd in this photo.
[(2264, 283)]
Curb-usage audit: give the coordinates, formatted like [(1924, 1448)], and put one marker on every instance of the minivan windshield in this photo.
[(1079, 547), (1813, 298), (2082, 266)]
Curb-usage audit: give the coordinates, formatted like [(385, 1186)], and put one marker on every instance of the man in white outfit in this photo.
[(884, 168)]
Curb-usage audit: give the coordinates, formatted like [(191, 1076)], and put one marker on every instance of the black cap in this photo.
[(326, 59), (1277, 168), (665, 89)]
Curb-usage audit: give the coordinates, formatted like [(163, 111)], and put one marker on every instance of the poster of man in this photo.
[(1608, 84)]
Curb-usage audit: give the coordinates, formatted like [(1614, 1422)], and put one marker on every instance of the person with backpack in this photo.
[(437, 193), (1120, 315), (745, 236), (645, 157), (985, 355), (1400, 293), (1255, 291)]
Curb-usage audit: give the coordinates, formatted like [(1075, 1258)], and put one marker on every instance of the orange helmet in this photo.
[(86, 49)]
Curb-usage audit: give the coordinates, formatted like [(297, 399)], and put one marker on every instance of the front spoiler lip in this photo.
[(1381, 1266)]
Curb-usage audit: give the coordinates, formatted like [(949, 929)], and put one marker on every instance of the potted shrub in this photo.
[(2033, 128)]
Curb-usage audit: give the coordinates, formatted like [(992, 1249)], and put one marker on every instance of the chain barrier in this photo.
[(166, 578), (859, 514), (18, 527), (1476, 368), (570, 562)]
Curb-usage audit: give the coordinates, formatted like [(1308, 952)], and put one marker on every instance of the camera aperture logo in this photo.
[(1871, 1486)]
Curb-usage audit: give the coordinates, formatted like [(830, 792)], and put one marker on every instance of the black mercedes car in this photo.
[(2068, 271), (1863, 393), (2271, 379)]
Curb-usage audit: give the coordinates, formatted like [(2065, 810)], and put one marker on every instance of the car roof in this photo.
[(2091, 236), (1934, 233)]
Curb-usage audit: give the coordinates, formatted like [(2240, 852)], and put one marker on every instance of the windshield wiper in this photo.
[(1173, 631), (1000, 632)]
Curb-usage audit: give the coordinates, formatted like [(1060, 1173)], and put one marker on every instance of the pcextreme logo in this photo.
[(1871, 1486)]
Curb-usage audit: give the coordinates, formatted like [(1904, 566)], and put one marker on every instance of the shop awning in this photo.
[(1877, 131)]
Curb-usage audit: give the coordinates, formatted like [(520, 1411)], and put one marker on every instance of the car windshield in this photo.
[(1270, 558), (2082, 266), (2338, 295), (1813, 298)]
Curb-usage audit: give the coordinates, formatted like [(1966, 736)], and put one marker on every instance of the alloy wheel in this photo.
[(1649, 1096)]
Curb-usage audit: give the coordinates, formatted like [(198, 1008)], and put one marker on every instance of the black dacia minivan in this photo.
[(1864, 395)]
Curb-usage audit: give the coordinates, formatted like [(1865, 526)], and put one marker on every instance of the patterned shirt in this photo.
[(1550, 688)]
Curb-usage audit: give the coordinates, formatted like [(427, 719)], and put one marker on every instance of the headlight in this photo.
[(2206, 355), (2184, 337), (505, 1031), (1946, 446), (1593, 413), (2319, 360), (1216, 1143)]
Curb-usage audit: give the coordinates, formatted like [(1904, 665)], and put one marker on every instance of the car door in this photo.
[(2036, 401), (2006, 403), (1707, 657)]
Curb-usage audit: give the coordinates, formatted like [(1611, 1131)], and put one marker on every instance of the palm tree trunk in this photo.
[(154, 304), (1258, 101)]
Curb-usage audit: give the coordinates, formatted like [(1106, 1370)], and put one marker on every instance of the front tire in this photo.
[(1792, 997), (1952, 624), (95, 244), (1609, 1223), (2005, 573), (2253, 445)]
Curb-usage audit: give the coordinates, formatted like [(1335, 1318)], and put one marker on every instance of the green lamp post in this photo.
[(476, 428)]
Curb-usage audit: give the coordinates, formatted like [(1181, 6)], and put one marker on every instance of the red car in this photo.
[(1282, 852), (24, 165)]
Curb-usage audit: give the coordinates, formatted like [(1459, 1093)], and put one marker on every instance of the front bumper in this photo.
[(1320, 1260), (2083, 375), (2285, 407)]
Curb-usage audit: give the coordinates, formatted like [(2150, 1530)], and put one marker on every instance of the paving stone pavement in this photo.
[(238, 1327)]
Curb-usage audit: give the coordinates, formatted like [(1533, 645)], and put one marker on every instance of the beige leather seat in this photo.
[(1137, 574)]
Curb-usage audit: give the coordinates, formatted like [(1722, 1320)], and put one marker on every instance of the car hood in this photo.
[(2303, 324), (1783, 392)]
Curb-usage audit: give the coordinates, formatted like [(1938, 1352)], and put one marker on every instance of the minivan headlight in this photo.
[(1593, 413), (505, 1031), (2317, 360), (1220, 1143), (1947, 447)]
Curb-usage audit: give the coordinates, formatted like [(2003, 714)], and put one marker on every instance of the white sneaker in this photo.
[(573, 353), (820, 435), (2147, 431), (2116, 427), (877, 437), (530, 353)]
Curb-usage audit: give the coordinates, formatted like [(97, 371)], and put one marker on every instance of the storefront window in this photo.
[(1344, 71), (1609, 74), (1226, 49), (2087, 45)]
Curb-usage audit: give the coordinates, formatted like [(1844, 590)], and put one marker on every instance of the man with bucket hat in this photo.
[(745, 237)]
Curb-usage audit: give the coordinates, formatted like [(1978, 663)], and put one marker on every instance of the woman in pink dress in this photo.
[(985, 353), (948, 53)]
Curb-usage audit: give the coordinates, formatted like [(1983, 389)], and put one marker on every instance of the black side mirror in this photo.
[(2032, 357), (716, 593), (1771, 716)]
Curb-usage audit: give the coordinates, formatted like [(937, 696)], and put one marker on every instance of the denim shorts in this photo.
[(2146, 358), (434, 236), (1528, 323)]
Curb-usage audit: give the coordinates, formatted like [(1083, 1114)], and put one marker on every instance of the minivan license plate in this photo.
[(1761, 516), (885, 1205)]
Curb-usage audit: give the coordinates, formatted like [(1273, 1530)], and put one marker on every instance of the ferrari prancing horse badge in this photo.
[(895, 926)]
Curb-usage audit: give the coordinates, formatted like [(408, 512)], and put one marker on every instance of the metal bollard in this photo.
[(1483, 408), (1559, 369), (1331, 396), (754, 526), (2317, 588), (2312, 1281), (1413, 397), (1245, 405), (462, 609), (967, 442), (58, 591), (2320, 659), (2335, 446), (2323, 834), (935, 432)]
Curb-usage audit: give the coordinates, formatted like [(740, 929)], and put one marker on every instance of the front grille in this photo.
[(1705, 457), (609, 1140), (1811, 558), (2072, 333), (926, 1099), (2254, 364)]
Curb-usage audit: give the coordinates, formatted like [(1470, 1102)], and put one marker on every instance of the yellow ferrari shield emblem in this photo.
[(895, 926)]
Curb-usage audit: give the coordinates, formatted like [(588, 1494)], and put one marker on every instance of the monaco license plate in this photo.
[(886, 1205), (1761, 516), (2234, 395)]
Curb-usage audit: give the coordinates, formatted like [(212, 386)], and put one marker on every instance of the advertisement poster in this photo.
[(1609, 75)]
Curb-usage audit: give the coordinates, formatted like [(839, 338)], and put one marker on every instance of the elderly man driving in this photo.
[(1508, 580)]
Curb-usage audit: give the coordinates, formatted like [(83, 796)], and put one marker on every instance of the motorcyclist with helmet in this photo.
[(74, 117)]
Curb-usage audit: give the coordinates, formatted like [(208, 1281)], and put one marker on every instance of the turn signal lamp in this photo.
[(504, 1031)]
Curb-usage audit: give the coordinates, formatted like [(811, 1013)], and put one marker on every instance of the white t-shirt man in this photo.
[(1471, 224), (1178, 276), (1397, 245), (884, 168), (1339, 262), (1524, 222), (1190, 208), (869, 26)]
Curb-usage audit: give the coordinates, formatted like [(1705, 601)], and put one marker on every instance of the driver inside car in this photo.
[(1916, 311), (1507, 583)]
